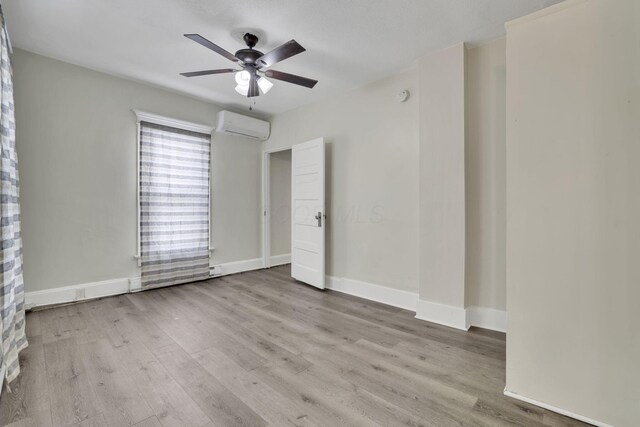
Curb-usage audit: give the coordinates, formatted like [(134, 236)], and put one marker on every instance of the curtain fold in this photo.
[(12, 319), (174, 205)]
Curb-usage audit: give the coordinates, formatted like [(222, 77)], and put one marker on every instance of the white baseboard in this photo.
[(238, 266), (555, 409), (455, 317), (383, 294), (462, 318), (80, 292), (487, 318), (447, 315), (277, 260), (86, 291)]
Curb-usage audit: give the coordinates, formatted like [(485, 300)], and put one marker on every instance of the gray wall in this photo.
[(76, 139)]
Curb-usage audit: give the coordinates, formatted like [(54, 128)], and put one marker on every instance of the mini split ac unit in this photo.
[(237, 124)]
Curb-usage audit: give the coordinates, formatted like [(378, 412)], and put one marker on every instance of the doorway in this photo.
[(277, 208)]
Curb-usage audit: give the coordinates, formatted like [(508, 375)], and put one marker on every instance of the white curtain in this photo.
[(12, 295), (174, 205)]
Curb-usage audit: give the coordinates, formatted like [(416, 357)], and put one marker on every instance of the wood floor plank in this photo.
[(69, 387), (150, 422), (447, 388), (341, 392), (228, 292), (400, 325), (33, 324), (255, 393), (294, 339), (203, 304), (195, 331), (315, 406), (405, 321), (442, 406), (320, 316), (215, 400), (191, 336), (27, 422), (196, 335), (463, 376), (257, 349), (266, 348), (116, 393), (134, 325), (95, 421), (169, 402), (28, 396)]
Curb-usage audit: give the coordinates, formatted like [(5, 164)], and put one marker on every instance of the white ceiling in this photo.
[(349, 42)]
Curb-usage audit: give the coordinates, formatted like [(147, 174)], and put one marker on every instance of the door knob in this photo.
[(319, 218)]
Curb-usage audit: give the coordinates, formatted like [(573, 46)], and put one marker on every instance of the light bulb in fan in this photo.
[(243, 77), (243, 89), (264, 84)]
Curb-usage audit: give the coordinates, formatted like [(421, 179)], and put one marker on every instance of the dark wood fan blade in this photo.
[(291, 78), (254, 89), (280, 53), (214, 47), (207, 72)]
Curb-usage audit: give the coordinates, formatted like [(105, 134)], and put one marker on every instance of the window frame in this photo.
[(144, 116)]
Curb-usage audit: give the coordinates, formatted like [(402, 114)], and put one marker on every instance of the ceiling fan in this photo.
[(252, 78)]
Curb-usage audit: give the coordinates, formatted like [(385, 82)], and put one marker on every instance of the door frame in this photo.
[(266, 204)]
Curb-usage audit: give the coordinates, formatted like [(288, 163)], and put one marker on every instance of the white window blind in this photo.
[(174, 204)]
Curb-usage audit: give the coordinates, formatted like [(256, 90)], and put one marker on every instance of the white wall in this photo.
[(280, 182), (485, 182), (372, 184), (573, 209), (442, 179), (76, 140)]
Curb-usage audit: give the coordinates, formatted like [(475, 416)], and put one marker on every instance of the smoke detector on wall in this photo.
[(403, 95)]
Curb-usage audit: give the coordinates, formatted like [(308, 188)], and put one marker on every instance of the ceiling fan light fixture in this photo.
[(243, 77), (264, 84), (243, 89), (252, 62)]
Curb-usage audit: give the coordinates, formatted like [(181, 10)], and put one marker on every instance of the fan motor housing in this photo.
[(248, 56)]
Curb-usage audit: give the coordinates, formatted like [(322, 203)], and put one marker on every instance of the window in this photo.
[(174, 167)]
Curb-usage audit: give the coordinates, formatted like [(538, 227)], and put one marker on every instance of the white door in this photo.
[(307, 212)]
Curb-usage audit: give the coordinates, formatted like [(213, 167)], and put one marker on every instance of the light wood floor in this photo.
[(257, 349)]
